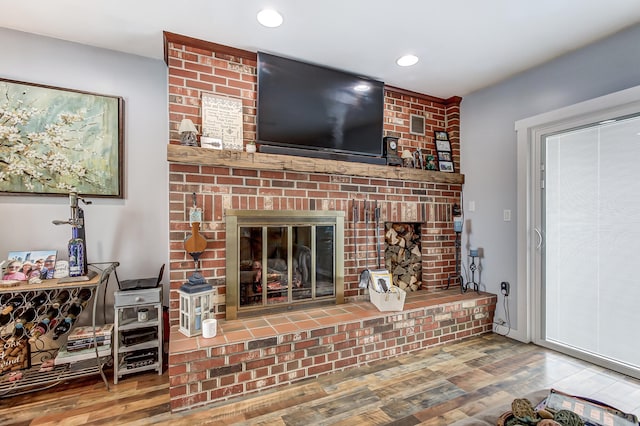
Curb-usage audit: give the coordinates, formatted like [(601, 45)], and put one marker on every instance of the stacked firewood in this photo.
[(403, 256)]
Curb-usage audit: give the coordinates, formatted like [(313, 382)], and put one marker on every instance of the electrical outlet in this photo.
[(504, 288)]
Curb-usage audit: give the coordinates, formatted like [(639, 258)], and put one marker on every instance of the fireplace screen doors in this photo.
[(283, 260)]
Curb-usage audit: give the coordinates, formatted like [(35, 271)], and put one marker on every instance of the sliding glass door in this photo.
[(590, 255)]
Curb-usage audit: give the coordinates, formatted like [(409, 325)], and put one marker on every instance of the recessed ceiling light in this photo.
[(407, 60), (270, 18)]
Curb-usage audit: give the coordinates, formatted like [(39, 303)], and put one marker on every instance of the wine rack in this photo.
[(31, 314)]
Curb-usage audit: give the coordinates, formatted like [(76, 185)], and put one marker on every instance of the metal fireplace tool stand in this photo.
[(457, 227)]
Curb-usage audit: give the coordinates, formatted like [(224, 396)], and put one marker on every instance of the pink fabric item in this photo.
[(15, 276)]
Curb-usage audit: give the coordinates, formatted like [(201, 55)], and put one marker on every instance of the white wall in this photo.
[(488, 143), (133, 230)]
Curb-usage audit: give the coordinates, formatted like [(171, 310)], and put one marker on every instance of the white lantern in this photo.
[(196, 305)]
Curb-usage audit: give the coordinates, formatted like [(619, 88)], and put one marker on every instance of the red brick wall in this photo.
[(206, 371), (196, 67), (193, 70)]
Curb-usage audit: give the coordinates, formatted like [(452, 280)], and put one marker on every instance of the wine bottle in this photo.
[(71, 315), (49, 316), (4, 319), (25, 319), (37, 331), (63, 328), (4, 297), (44, 325), (39, 299), (52, 312), (19, 333), (83, 296), (76, 254), (62, 297), (73, 311), (82, 235), (12, 304)]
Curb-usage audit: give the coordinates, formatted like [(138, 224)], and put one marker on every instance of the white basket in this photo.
[(393, 300), (390, 300)]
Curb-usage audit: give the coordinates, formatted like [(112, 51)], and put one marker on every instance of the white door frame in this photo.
[(529, 135)]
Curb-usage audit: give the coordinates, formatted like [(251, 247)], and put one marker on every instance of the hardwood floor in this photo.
[(435, 386)]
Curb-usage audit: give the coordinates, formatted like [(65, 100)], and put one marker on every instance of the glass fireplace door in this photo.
[(282, 264), (277, 260)]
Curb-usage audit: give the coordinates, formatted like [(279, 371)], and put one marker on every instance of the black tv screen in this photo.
[(307, 106)]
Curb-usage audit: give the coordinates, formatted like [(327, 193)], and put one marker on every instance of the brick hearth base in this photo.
[(251, 355)]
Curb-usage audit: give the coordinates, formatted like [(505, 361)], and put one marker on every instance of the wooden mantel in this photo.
[(258, 161)]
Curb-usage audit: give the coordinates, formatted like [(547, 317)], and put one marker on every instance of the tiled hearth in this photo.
[(250, 355)]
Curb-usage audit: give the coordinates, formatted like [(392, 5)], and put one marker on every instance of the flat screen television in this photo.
[(310, 107)]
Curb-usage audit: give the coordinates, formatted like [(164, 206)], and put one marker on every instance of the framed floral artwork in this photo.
[(54, 141)]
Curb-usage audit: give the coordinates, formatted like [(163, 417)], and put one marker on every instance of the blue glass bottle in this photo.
[(76, 254)]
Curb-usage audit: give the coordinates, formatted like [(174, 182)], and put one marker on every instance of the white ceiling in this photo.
[(463, 45)]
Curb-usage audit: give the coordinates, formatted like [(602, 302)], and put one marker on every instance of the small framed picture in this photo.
[(446, 166), (443, 145), (380, 280), (444, 156), (24, 265), (443, 148), (441, 136)]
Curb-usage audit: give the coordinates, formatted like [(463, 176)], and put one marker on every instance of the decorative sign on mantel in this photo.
[(222, 120)]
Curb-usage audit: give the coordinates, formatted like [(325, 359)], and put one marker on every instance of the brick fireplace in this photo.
[(237, 180), (249, 182), (282, 260), (251, 355)]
